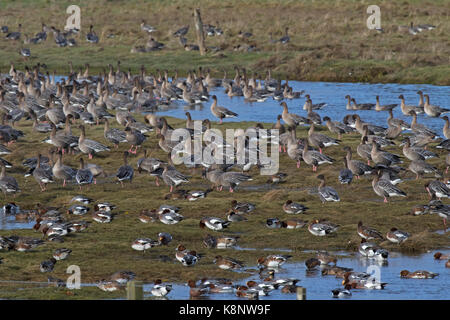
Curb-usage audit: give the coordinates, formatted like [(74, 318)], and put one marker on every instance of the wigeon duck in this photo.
[(213, 223), (143, 244), (397, 236), (242, 207), (322, 228), (440, 256), (227, 263), (78, 210), (48, 265), (122, 277), (362, 281), (58, 283), (342, 292), (108, 286), (161, 290), (102, 217), (262, 288), (163, 207), (195, 195), (104, 206), (339, 272), (419, 274), (21, 244), (77, 226), (235, 217), (368, 232), (164, 238), (312, 263), (61, 254), (273, 261), (186, 257), (371, 250), (244, 292), (274, 223), (293, 207), (289, 288), (220, 242), (170, 217), (325, 258), (280, 177), (195, 291), (82, 199), (447, 264)]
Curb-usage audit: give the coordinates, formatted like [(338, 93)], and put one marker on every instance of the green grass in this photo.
[(329, 39), (103, 249)]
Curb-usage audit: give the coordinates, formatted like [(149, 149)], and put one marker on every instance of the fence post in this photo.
[(301, 293), (135, 290), (199, 31)]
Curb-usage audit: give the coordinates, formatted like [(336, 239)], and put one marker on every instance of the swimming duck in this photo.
[(122, 277), (197, 291), (235, 217), (440, 256), (102, 216), (341, 293), (419, 274), (325, 258), (312, 263), (432, 110), (164, 238), (371, 250), (108, 286), (161, 290), (273, 261), (147, 216)]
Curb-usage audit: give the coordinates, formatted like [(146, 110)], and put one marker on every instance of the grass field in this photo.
[(329, 39), (103, 249)]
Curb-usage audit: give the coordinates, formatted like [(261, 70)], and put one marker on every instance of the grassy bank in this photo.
[(103, 249), (329, 39)]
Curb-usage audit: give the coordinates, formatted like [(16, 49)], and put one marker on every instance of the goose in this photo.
[(63, 172), (125, 172), (426, 27), (371, 129), (406, 109), (91, 36), (291, 119), (25, 52), (386, 107), (150, 165), (114, 135), (436, 207), (89, 146), (397, 236), (232, 180), (445, 144), (286, 37), (362, 106), (421, 103), (312, 116), (345, 174), (432, 110), (8, 184), (437, 188), (383, 157), (314, 158), (294, 152), (446, 129), (397, 122), (315, 106), (97, 112), (392, 132), (152, 45), (385, 188), (319, 140), (357, 167), (135, 138), (84, 175), (417, 153), (221, 112), (42, 175), (420, 128), (322, 228), (413, 30), (172, 177), (327, 193), (337, 127)]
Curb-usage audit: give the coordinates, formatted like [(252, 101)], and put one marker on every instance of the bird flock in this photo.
[(84, 101)]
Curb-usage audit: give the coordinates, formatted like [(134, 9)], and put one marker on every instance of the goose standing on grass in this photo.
[(385, 188), (63, 172), (125, 172), (312, 116), (395, 122), (406, 109), (88, 146), (438, 189), (446, 129), (42, 175), (420, 167), (232, 180), (91, 36), (383, 157), (386, 107), (345, 174), (114, 135), (417, 153), (337, 127), (291, 119), (327, 193), (8, 184), (319, 140), (432, 110), (83, 175), (221, 112), (172, 177), (135, 138), (358, 168), (314, 158)]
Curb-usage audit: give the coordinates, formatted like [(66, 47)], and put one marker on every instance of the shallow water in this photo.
[(333, 94), (9, 222), (319, 287)]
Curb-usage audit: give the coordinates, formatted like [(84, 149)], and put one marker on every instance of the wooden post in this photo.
[(301, 293), (135, 290), (199, 31)]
